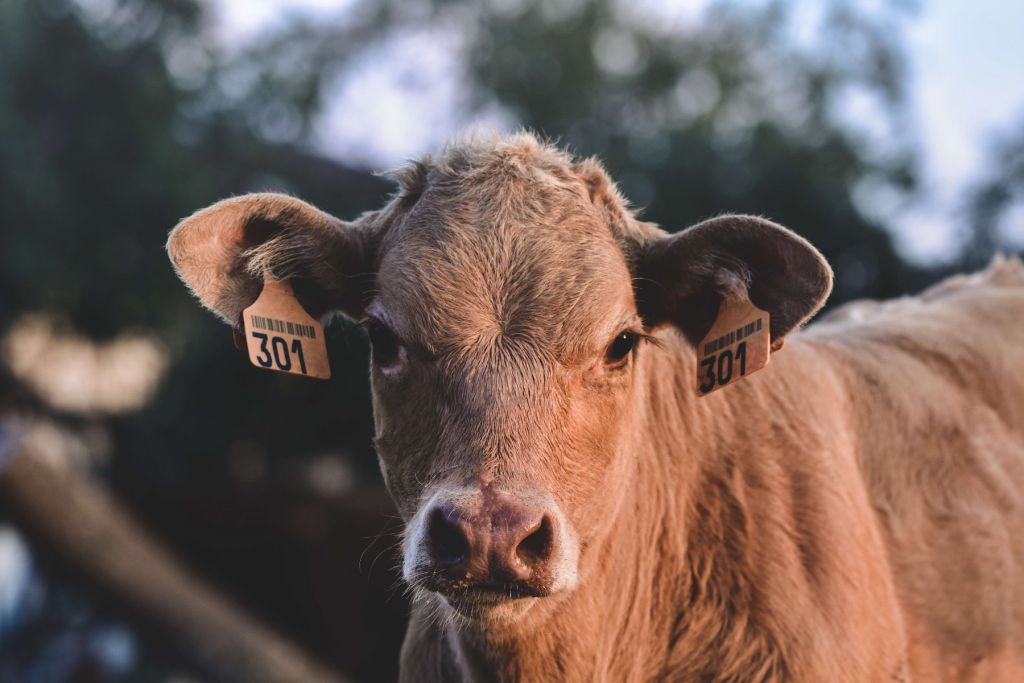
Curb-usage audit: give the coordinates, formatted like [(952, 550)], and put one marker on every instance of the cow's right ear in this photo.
[(222, 251)]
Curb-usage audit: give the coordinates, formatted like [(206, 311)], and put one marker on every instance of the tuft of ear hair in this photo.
[(682, 278)]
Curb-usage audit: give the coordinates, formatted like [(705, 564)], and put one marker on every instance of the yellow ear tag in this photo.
[(737, 345), (280, 335)]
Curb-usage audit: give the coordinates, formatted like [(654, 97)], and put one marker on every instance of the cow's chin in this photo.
[(489, 609), (493, 606)]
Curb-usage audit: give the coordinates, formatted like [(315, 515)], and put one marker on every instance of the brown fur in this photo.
[(850, 513)]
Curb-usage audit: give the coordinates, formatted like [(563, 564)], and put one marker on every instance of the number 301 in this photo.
[(282, 357), (718, 369)]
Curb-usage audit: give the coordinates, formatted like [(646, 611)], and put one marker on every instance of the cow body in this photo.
[(574, 511), (937, 396)]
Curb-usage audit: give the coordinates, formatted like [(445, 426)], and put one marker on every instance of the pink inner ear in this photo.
[(206, 250), (325, 258)]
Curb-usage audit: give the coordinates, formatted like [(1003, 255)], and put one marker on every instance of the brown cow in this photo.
[(575, 512)]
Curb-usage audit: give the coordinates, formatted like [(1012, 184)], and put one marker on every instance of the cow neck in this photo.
[(753, 571), (702, 445)]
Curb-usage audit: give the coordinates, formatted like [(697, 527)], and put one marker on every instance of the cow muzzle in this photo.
[(483, 547)]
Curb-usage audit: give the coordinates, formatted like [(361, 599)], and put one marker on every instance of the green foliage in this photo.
[(103, 150)]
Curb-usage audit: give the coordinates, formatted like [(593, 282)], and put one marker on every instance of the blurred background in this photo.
[(889, 132)]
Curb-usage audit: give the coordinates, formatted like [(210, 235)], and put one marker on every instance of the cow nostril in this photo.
[(537, 545), (448, 543)]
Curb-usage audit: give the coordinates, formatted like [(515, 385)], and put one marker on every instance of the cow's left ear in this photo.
[(681, 279), (223, 252)]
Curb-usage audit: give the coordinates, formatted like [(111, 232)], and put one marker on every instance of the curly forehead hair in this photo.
[(488, 164)]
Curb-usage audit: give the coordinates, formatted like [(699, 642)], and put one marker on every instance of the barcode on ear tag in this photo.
[(280, 335), (737, 345)]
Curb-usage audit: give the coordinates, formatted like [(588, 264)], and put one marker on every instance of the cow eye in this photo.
[(620, 348), (383, 342)]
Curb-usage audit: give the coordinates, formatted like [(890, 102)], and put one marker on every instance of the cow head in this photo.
[(512, 302)]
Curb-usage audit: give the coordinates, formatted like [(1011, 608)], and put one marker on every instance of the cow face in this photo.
[(510, 299), (506, 341)]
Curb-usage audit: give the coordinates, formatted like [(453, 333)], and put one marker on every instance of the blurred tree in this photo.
[(732, 113), (112, 134)]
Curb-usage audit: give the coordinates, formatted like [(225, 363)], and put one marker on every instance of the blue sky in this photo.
[(967, 86)]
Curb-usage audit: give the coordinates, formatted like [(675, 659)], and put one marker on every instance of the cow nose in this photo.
[(500, 540)]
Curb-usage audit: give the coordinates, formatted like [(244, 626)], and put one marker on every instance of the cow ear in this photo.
[(681, 279), (222, 252)]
